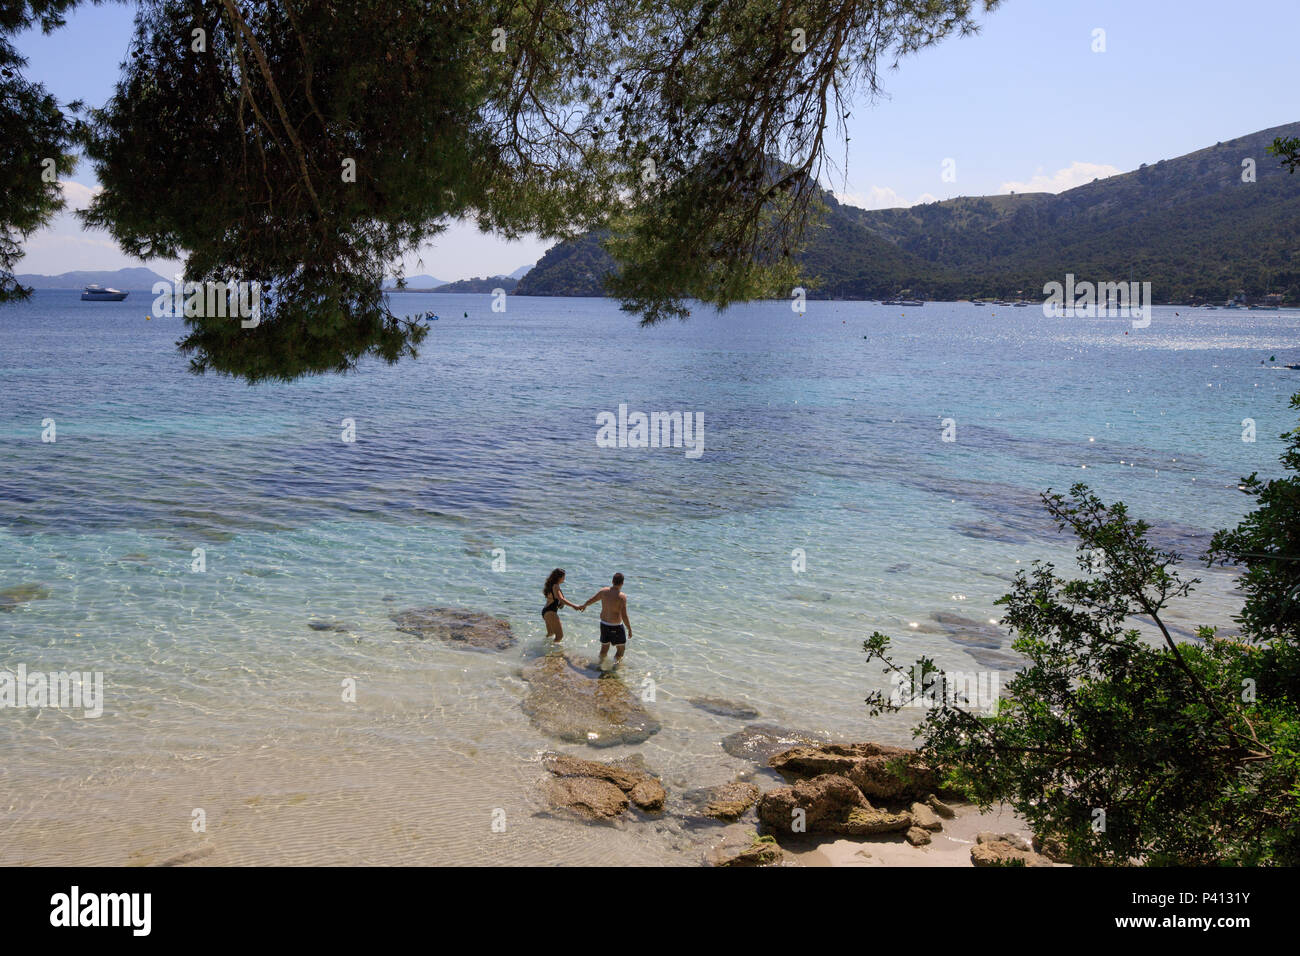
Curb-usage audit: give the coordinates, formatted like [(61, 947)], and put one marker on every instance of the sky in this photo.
[(1039, 100)]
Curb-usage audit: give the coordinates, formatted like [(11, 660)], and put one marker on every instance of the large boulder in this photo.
[(830, 804), (599, 792), (456, 626), (879, 771), (1004, 849), (759, 742), (568, 704)]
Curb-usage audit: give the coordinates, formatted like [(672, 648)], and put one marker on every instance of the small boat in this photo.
[(96, 293), (1209, 306), (1020, 305), (981, 304), (901, 302), (430, 317), (1261, 308)]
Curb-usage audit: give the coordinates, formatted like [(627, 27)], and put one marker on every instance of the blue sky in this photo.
[(1025, 105)]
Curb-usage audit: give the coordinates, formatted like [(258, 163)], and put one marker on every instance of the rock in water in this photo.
[(830, 804), (319, 625), (728, 801), (967, 631), (879, 771), (760, 742), (586, 798), (600, 792), (567, 704), (456, 626), (725, 708), (10, 598)]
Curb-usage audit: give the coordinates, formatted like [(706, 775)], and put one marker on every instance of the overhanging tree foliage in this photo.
[(35, 141), (690, 128)]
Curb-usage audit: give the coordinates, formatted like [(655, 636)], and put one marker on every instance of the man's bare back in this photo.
[(615, 628), (613, 606)]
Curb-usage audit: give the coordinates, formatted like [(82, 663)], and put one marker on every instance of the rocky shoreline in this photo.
[(868, 794), (829, 798)]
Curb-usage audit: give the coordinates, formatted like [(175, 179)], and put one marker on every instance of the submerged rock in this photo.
[(567, 704), (728, 801), (830, 804), (318, 625), (967, 631), (600, 792), (725, 708), (456, 626), (10, 598), (879, 771), (760, 742)]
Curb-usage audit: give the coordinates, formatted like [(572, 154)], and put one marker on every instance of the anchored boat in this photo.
[(96, 293)]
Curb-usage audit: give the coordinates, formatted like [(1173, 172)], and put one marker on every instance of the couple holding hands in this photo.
[(615, 628)]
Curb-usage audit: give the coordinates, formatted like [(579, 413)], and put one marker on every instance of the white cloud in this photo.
[(76, 195), (1076, 174), (881, 197), (64, 245)]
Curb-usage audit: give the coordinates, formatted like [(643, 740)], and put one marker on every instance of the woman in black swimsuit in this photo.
[(554, 598)]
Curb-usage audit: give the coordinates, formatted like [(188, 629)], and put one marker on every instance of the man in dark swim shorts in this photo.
[(615, 628)]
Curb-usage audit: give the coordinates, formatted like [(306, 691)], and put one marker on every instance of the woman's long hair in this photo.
[(548, 589)]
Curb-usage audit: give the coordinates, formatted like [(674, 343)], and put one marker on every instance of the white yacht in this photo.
[(97, 293)]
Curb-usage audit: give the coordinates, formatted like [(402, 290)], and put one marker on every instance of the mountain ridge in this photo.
[(131, 279), (1190, 225)]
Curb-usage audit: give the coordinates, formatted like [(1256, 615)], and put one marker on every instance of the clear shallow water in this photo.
[(822, 432)]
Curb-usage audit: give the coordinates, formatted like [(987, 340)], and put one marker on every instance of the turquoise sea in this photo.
[(822, 432)]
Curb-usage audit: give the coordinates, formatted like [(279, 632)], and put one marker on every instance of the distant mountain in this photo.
[(521, 271), (486, 284), (128, 280), (420, 283), (576, 267), (1190, 226)]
